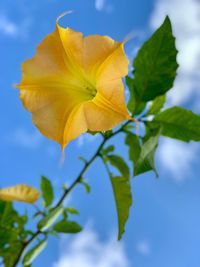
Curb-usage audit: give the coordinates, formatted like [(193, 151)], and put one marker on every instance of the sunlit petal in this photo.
[(74, 84), (21, 193), (98, 114), (113, 91), (114, 67), (96, 50)]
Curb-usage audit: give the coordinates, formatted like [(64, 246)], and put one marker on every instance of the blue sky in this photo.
[(163, 229)]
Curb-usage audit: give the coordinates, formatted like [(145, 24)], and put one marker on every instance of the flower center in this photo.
[(91, 90)]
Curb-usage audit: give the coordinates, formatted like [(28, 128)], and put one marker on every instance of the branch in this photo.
[(69, 189), (25, 246), (88, 163)]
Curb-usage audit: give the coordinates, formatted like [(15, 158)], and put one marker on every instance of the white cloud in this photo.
[(99, 4), (177, 157), (86, 138), (143, 248), (13, 29), (86, 250), (24, 138), (102, 5), (7, 27), (185, 16)]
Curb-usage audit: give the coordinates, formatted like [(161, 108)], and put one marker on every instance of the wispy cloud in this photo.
[(24, 138), (8, 27), (86, 250), (86, 138), (13, 29), (99, 4), (185, 16), (177, 158), (143, 247), (103, 5)]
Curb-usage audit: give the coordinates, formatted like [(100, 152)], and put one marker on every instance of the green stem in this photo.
[(79, 177), (106, 167), (25, 246), (69, 189), (38, 210)]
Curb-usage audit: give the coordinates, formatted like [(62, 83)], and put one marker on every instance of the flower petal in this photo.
[(98, 114), (96, 50), (48, 62), (114, 67), (89, 116), (72, 43), (100, 117), (75, 126), (50, 88), (21, 193), (113, 91), (51, 109)]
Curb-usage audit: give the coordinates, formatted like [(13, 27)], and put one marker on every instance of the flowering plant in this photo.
[(73, 85)]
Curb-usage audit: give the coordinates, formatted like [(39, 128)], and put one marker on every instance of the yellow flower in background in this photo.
[(22, 193), (74, 84)]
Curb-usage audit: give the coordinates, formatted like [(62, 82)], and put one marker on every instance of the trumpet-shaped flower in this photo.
[(22, 193), (74, 84)]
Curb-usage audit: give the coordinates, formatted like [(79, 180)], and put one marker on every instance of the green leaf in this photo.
[(86, 185), (155, 65), (67, 227), (132, 101), (156, 105), (92, 132), (47, 191), (10, 254), (129, 127), (49, 219), (107, 134), (129, 81), (135, 148), (107, 150), (118, 162), (34, 252), (12, 233), (178, 123), (37, 214), (123, 200), (82, 159), (133, 143), (145, 160), (72, 210)]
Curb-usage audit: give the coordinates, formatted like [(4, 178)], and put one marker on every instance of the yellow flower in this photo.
[(74, 84), (22, 193)]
